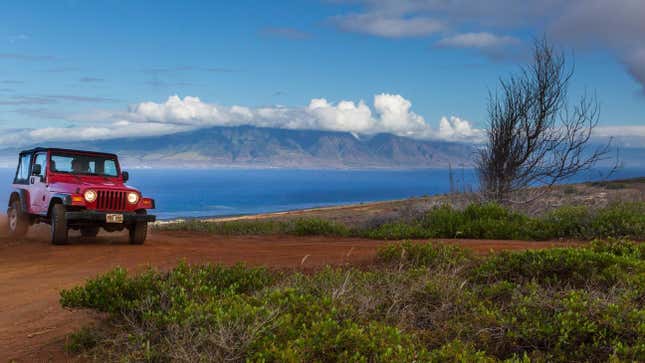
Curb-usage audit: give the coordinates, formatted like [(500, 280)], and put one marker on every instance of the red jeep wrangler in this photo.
[(71, 189)]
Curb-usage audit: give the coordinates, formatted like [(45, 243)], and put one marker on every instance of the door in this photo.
[(38, 184)]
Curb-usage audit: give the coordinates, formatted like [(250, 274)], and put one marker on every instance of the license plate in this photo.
[(114, 218)]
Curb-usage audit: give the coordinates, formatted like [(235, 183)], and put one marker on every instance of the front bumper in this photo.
[(99, 217)]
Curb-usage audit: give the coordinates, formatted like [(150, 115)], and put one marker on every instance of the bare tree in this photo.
[(535, 137)]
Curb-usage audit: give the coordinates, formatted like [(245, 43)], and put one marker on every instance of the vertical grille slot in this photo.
[(110, 200)]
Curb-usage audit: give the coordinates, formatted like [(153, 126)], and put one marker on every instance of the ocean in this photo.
[(224, 192)]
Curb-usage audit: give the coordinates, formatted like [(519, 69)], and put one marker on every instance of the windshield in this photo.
[(101, 165)]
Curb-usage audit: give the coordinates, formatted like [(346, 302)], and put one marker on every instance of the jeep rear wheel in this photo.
[(89, 231), (59, 230), (139, 231), (18, 222)]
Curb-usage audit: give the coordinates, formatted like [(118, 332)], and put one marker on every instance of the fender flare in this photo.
[(65, 199), (22, 196)]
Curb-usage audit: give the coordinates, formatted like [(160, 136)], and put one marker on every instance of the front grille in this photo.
[(110, 200)]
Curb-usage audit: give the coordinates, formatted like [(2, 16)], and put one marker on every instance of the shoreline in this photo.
[(293, 212)]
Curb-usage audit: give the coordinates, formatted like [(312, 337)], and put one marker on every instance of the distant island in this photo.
[(249, 146), (258, 147)]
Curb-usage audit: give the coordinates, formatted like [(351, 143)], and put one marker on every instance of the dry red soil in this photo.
[(33, 326)]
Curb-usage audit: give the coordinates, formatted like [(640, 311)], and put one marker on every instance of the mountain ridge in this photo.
[(262, 147), (251, 146)]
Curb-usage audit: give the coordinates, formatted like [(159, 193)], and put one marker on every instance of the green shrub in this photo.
[(568, 222), (619, 220), (619, 247), (444, 222), (438, 304), (398, 231), (84, 339), (315, 226), (423, 254), (476, 221), (489, 221), (329, 340), (561, 266), (459, 352), (241, 227), (116, 292), (566, 326)]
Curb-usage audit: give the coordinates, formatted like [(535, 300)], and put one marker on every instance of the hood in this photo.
[(83, 183)]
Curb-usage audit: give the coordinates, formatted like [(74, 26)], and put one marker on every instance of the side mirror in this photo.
[(37, 169), (125, 175)]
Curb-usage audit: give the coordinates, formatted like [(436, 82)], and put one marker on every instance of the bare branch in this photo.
[(535, 138)]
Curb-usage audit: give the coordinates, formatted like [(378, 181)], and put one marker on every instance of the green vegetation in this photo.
[(299, 227), (418, 302), (489, 221)]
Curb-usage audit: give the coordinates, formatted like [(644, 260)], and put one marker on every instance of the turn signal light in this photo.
[(78, 199)]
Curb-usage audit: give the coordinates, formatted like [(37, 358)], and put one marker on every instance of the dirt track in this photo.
[(33, 326)]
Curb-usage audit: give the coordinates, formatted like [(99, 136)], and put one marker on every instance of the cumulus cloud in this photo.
[(390, 113), (457, 129)]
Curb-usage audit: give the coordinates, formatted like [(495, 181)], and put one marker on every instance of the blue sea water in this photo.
[(220, 192)]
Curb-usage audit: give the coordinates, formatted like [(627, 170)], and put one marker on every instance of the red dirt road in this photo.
[(33, 326)]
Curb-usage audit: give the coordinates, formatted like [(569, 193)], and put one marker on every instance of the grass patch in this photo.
[(299, 227), (478, 221), (418, 303)]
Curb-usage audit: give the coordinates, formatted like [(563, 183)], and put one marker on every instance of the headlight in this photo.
[(133, 198), (89, 195)]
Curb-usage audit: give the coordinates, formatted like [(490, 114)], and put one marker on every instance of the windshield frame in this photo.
[(83, 154)]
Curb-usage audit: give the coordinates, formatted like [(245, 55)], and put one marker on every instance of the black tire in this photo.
[(17, 220), (139, 231), (89, 232), (59, 231)]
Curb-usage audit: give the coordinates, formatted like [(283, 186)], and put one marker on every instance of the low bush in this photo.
[(487, 221), (116, 292), (419, 303), (314, 226), (619, 220), (300, 227), (619, 247), (423, 254), (242, 227), (569, 266), (85, 339)]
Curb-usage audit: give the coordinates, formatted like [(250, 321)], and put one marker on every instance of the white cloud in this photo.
[(457, 129), (345, 116), (389, 26), (614, 25), (397, 118), (619, 131), (390, 113), (478, 40)]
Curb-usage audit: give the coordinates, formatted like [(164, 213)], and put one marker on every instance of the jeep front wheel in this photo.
[(17, 220), (139, 231), (58, 225)]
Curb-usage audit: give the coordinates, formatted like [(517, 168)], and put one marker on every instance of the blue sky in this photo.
[(96, 68)]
